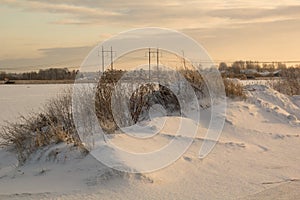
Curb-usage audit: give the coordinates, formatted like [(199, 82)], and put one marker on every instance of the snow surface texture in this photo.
[(22, 99), (257, 157)]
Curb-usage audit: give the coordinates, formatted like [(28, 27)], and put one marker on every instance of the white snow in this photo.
[(256, 157), (23, 99)]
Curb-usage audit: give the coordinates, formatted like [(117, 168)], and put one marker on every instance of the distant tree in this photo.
[(237, 66), (223, 66), (250, 65), (2, 75), (269, 67), (253, 65), (281, 66)]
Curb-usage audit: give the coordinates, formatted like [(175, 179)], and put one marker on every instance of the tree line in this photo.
[(66, 74), (237, 66), (42, 74)]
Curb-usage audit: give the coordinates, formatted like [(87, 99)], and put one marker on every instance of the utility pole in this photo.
[(111, 58), (102, 60), (183, 59), (157, 61), (103, 57), (149, 63)]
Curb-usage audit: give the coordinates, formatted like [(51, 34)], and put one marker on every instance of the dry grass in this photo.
[(138, 104), (53, 125), (233, 89), (290, 82)]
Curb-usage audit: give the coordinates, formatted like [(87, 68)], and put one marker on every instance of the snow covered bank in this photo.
[(257, 157)]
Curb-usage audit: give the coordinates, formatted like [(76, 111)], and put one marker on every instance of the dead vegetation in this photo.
[(290, 81), (55, 124), (234, 89)]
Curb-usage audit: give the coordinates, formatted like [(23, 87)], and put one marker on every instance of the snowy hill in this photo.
[(256, 157)]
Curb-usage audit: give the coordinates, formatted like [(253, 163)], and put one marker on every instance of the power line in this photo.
[(111, 57), (155, 52), (68, 64)]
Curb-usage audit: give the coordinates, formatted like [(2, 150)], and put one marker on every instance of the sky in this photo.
[(38, 34)]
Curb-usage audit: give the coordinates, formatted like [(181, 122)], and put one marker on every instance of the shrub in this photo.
[(234, 89), (138, 104), (53, 125), (290, 81)]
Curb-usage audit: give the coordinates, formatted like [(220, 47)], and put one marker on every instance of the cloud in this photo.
[(169, 13), (61, 8), (50, 57), (58, 7), (224, 26), (258, 13)]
